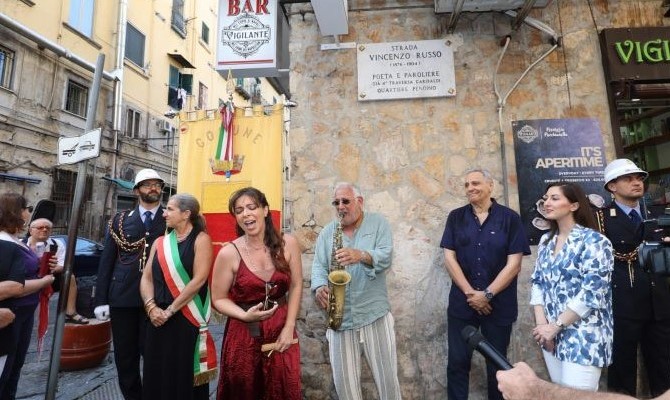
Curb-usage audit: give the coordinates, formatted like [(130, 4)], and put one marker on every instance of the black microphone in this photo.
[(476, 341)]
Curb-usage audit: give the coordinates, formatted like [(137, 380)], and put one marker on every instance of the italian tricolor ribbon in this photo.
[(196, 311)]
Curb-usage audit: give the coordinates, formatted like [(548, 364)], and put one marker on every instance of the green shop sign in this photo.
[(652, 51), (641, 54)]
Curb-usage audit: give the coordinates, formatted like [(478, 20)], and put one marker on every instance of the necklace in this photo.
[(246, 248), (182, 236)]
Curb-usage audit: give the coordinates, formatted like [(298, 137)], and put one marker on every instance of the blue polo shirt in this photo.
[(481, 251)]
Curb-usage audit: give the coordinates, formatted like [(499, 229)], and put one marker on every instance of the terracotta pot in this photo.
[(85, 346)]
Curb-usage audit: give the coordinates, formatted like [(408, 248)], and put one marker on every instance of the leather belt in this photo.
[(254, 327)]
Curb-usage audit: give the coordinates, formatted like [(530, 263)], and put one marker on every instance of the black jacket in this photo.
[(649, 296), (119, 274)]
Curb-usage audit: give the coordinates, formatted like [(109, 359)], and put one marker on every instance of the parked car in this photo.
[(86, 256)]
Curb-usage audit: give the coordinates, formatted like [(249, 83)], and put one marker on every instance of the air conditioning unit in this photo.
[(164, 125)]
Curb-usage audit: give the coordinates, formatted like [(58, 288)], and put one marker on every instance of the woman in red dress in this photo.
[(257, 283)]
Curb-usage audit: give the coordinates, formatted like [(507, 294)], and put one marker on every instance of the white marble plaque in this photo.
[(405, 70)]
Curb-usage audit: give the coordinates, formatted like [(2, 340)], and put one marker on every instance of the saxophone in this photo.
[(338, 279)]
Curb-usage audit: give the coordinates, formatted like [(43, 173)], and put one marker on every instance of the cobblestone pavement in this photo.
[(88, 384)]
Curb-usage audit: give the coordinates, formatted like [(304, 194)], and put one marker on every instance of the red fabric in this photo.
[(45, 294), (247, 374)]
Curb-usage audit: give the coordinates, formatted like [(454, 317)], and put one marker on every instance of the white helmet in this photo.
[(146, 174), (621, 167)]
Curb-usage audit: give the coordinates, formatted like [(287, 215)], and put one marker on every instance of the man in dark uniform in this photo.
[(641, 299), (127, 245)]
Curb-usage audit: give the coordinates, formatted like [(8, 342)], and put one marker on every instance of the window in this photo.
[(178, 23), (132, 123), (81, 16), (204, 35), (179, 86), (62, 193), (256, 97), (6, 67), (134, 45), (124, 202), (77, 98), (202, 96)]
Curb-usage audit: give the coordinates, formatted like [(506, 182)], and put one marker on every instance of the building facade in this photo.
[(159, 60), (409, 155)]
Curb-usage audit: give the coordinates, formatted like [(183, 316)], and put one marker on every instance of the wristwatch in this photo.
[(559, 323), (488, 294)]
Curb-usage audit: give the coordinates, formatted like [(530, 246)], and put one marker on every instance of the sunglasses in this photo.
[(29, 208), (268, 303), (337, 202)]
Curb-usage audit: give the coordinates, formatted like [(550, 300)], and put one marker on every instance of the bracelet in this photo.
[(148, 301), (149, 305), (170, 310), (150, 309)]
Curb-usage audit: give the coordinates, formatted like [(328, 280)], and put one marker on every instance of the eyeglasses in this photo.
[(29, 208), (157, 185), (337, 202), (267, 303), (42, 228)]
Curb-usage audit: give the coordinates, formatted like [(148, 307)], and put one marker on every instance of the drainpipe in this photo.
[(117, 103), (118, 87), (48, 44)]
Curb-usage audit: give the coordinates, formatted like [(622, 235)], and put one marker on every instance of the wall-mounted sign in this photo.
[(405, 70), (641, 54), (71, 150), (552, 150), (252, 37)]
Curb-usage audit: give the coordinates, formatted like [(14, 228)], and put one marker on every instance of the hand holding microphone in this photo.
[(476, 341)]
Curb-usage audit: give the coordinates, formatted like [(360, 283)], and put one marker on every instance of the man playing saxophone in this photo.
[(367, 323)]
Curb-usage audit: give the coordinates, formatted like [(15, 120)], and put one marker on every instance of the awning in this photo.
[(181, 60), (19, 178), (129, 185)]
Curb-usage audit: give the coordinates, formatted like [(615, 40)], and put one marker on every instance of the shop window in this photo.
[(6, 67), (76, 98), (133, 118), (81, 16), (134, 45), (639, 94)]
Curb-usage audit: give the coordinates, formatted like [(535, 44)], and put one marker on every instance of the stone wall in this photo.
[(409, 156)]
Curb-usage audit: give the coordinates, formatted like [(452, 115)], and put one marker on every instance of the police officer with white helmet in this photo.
[(127, 243), (641, 299)]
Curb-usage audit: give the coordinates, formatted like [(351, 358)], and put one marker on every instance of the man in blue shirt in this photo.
[(367, 323), (483, 244)]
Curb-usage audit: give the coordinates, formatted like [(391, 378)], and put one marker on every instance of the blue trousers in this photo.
[(460, 356)]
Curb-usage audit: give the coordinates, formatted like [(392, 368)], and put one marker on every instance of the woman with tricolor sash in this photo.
[(257, 283), (179, 353)]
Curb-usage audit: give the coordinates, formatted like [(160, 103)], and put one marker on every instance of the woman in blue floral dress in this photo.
[(571, 294)]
